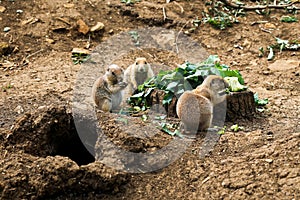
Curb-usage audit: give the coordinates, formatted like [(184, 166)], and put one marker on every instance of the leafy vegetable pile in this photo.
[(185, 77)]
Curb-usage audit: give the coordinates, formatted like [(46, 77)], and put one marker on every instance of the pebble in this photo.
[(111, 31), (2, 9), (19, 109), (269, 160), (19, 11), (99, 26), (69, 5), (6, 29), (266, 72), (83, 28), (50, 41), (81, 51)]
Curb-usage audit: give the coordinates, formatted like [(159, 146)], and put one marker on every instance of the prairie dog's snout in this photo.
[(116, 72), (142, 65)]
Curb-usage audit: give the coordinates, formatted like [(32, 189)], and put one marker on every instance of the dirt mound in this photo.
[(44, 153)]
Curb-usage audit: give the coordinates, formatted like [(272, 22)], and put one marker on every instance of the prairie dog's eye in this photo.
[(146, 63), (113, 73)]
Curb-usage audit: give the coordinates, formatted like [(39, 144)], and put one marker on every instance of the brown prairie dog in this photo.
[(195, 108), (107, 90), (136, 74)]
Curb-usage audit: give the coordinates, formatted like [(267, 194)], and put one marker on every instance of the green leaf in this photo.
[(260, 102), (212, 59), (172, 86), (138, 95), (222, 130), (236, 128), (148, 92), (167, 98)]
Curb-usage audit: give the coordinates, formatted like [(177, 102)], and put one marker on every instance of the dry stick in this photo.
[(176, 39), (287, 6), (164, 13), (34, 53), (181, 8)]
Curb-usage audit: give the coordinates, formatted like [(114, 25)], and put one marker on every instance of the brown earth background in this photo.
[(37, 77)]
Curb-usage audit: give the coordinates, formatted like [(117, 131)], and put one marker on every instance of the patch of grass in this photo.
[(221, 16), (288, 19), (79, 58), (219, 22)]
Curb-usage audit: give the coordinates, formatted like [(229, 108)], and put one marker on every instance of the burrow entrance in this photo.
[(50, 132)]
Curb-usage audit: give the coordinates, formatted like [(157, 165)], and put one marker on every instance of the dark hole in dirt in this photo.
[(52, 132), (71, 146)]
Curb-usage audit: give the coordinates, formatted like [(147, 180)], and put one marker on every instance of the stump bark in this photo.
[(238, 105)]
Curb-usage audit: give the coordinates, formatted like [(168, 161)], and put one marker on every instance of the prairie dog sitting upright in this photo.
[(107, 89), (136, 74), (195, 108)]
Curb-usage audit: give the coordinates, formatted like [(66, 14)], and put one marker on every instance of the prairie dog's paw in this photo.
[(123, 84)]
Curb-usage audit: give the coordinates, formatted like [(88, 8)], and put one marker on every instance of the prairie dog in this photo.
[(107, 89), (195, 108), (136, 74)]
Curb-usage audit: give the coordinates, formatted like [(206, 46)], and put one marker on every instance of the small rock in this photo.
[(283, 65), (297, 73), (83, 28), (50, 41), (111, 31), (2, 9), (266, 72), (269, 26), (269, 160), (99, 26), (19, 109), (69, 5), (41, 107), (19, 11), (81, 51), (247, 44), (6, 29)]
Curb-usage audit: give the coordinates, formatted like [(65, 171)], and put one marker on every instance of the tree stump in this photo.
[(239, 105)]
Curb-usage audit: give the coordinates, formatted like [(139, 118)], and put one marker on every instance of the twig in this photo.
[(34, 53), (164, 13), (176, 39), (181, 8), (265, 30), (261, 7), (63, 20), (91, 4), (259, 22)]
